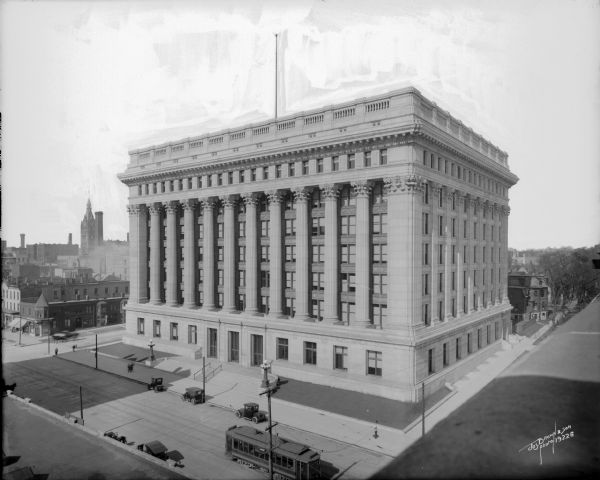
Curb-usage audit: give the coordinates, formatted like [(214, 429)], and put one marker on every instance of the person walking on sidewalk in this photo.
[(56, 352)]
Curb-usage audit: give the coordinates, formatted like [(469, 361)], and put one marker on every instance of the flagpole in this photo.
[(276, 35)]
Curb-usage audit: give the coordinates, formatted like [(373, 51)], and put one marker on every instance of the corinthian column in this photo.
[(171, 293), (436, 191), (155, 241), (275, 259), (229, 202), (138, 253), (189, 253), (208, 262), (301, 196), (363, 253), (404, 257), (330, 197), (504, 256), (250, 199), (459, 256)]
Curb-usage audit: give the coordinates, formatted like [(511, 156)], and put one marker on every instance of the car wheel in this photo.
[(238, 414), (255, 419)]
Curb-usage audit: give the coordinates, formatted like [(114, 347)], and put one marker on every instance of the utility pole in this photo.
[(276, 82), (49, 324), (96, 351), (423, 404), (20, 319), (269, 391), (81, 404), (204, 376)]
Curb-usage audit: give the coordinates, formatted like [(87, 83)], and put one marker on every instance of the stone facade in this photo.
[(360, 245)]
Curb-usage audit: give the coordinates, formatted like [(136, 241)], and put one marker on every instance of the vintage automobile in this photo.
[(194, 395), (250, 411), (116, 436), (154, 448), (156, 384)]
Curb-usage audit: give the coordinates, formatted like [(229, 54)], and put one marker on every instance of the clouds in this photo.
[(83, 82)]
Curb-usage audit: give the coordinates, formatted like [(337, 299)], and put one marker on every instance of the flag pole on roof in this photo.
[(276, 36)]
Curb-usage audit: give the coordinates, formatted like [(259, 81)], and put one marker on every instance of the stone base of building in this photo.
[(385, 363)]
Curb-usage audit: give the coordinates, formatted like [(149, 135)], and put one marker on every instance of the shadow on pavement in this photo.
[(489, 436)]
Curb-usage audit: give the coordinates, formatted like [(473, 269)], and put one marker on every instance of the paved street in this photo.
[(556, 384), (62, 451)]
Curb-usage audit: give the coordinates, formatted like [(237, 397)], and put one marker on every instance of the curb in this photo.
[(94, 433)]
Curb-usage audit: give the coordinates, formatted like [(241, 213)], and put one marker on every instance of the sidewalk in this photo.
[(343, 415)]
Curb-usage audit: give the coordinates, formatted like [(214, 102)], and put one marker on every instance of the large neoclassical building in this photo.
[(361, 245)]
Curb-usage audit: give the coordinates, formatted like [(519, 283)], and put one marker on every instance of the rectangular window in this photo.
[(290, 226), (445, 354), (256, 349), (340, 356), (212, 343), (380, 284), (383, 156), (289, 280), (319, 165), (348, 282), (458, 349), (282, 348), (264, 253), (440, 254), (156, 331), (379, 223), (425, 254), (264, 228), (478, 338), (253, 174), (374, 363), (242, 176), (277, 171), (140, 326), (430, 365), (440, 282), (367, 157), (425, 228), (290, 253), (348, 312), (174, 331), (265, 279), (310, 353), (291, 169), (348, 225), (317, 309), (426, 314), (234, 347), (488, 334), (265, 172), (335, 163), (304, 167), (317, 281), (318, 254), (192, 334), (454, 227), (351, 161), (380, 253), (348, 253)]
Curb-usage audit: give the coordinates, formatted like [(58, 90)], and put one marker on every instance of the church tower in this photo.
[(88, 230)]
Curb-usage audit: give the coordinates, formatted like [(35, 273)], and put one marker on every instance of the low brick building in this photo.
[(528, 295)]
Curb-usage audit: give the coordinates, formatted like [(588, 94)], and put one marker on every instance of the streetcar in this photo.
[(291, 460)]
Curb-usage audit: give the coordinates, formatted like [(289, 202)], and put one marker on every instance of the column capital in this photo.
[(301, 194), (461, 197), (275, 196), (155, 208), (330, 191), (208, 203), (250, 198), (189, 204), (229, 200), (171, 206), (135, 209), (362, 188), (505, 209), (403, 184)]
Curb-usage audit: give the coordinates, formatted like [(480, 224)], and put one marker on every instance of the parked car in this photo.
[(250, 411), (156, 384), (154, 448)]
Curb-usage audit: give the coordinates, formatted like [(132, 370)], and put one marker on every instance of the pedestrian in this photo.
[(56, 352), (130, 367), (74, 347)]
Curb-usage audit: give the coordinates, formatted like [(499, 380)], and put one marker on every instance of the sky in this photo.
[(84, 82)]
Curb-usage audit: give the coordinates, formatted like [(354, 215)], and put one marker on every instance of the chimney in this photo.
[(70, 239), (99, 228), (22, 240)]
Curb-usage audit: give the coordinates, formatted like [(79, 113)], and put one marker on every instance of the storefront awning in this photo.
[(15, 322)]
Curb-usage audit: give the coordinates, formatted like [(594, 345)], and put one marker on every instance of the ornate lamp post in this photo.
[(151, 345)]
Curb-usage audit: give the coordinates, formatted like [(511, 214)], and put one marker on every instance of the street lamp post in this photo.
[(20, 318), (151, 345)]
